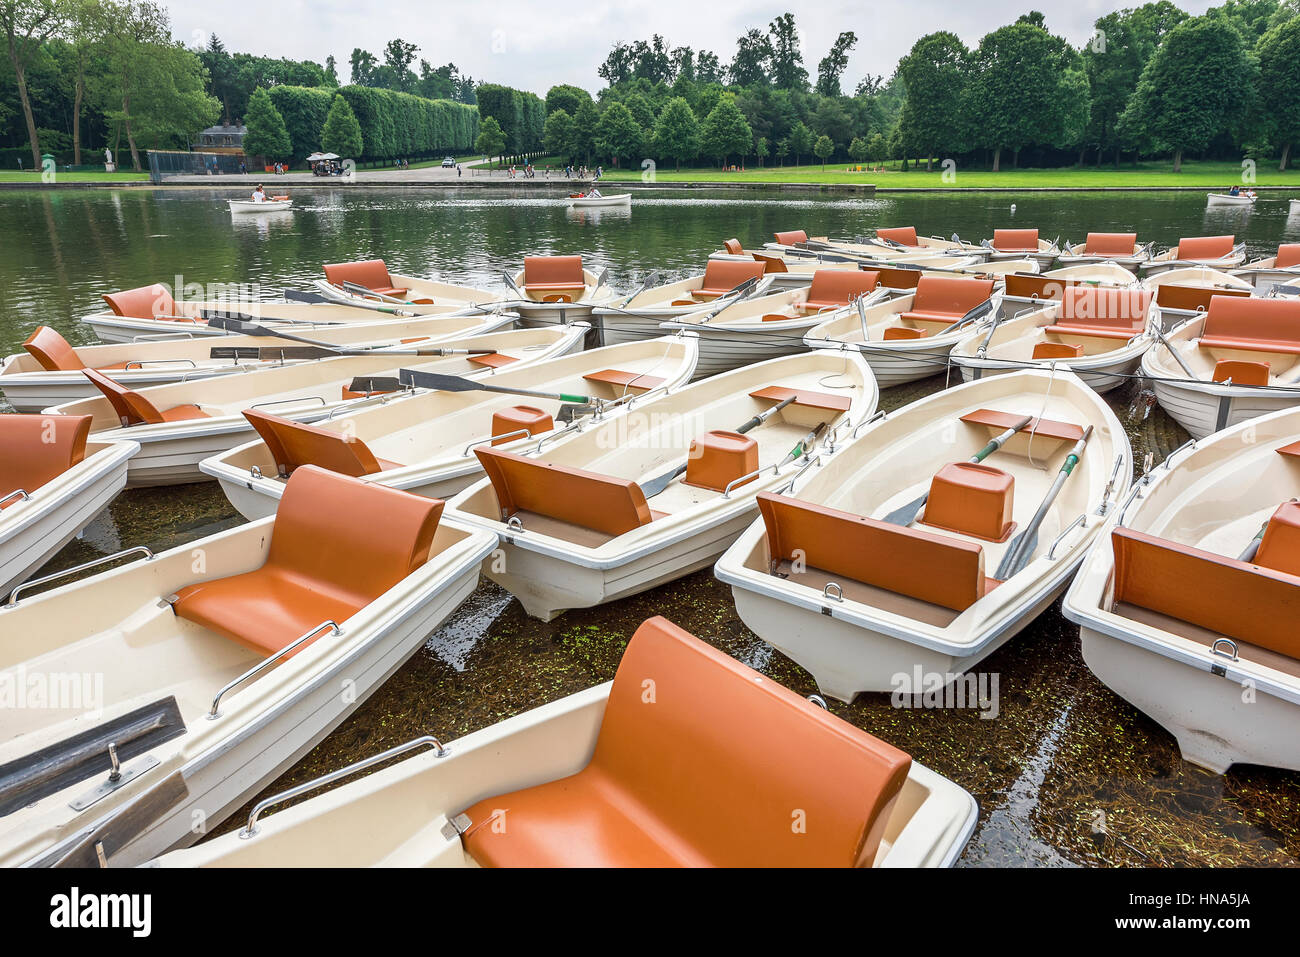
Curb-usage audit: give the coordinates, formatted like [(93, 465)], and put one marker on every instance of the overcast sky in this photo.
[(533, 44)]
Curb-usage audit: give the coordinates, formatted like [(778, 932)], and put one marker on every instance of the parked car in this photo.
[(448, 161)]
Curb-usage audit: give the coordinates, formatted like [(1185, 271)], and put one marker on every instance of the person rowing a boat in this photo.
[(259, 194), (1235, 191)]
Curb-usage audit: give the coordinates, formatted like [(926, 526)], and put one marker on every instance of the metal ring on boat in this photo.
[(819, 701), (14, 494), (1051, 557), (494, 438), (255, 471), (427, 740), (307, 636), (148, 556), (839, 592), (515, 524), (1224, 641)]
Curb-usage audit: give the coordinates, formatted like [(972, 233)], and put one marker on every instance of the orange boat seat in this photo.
[(520, 418), (833, 288), (554, 276), (337, 545), (807, 397), (894, 278), (371, 273), (146, 302), (1200, 248), (971, 499), (619, 379), (893, 333), (1056, 350), (134, 409), (1252, 325), (733, 246), (709, 775), (601, 503), (295, 444), (1241, 372), (36, 449), (771, 264), (1292, 450), (55, 354), (791, 237), (1031, 286), (1102, 312), (903, 235), (723, 275), (1280, 548), (999, 422), (1288, 256), (1193, 298), (1249, 602), (923, 565), (1015, 240), (494, 360), (719, 458), (946, 300), (1110, 244)]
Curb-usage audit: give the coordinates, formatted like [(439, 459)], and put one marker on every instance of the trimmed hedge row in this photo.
[(392, 124), (521, 115)]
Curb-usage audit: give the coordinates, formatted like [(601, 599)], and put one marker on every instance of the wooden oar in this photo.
[(906, 514), (456, 383), (656, 485), (1023, 545)]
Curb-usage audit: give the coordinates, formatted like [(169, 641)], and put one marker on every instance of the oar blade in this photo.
[(656, 485), (906, 514), (1018, 554), (237, 326), (375, 383), (437, 380), (297, 295)]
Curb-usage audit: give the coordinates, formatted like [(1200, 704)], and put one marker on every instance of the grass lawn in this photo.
[(1198, 174), (123, 176)]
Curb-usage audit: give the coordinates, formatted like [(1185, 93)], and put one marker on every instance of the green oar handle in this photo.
[(565, 397)]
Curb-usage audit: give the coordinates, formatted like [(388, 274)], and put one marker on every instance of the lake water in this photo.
[(1067, 773)]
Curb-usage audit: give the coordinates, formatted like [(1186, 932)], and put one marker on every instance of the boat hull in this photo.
[(269, 206), (1205, 407)]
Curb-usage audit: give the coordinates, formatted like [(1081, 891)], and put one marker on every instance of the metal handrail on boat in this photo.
[(216, 702), (318, 398), (875, 416), (14, 494), (575, 424), (493, 438), (103, 560), (1051, 552), (427, 740), (788, 486)]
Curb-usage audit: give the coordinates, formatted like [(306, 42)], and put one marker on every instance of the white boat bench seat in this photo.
[(931, 568), (295, 444), (55, 353), (691, 779), (326, 561), (805, 397), (943, 300), (572, 499), (36, 449), (148, 302), (371, 273), (620, 380), (134, 409), (1252, 325), (1256, 602)]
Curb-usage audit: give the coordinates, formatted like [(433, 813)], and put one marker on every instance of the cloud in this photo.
[(534, 44)]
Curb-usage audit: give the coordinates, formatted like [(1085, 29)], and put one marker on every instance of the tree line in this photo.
[(1153, 80)]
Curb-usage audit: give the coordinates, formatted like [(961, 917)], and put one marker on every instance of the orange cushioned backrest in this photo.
[(724, 275), (1205, 247), (602, 503), (771, 263), (1193, 298), (791, 237), (724, 759), (1015, 240), (1264, 320), (733, 246), (933, 568), (371, 273), (1110, 244), (1242, 601), (903, 235), (1241, 372), (1288, 255), (898, 278), (955, 297), (838, 287), (1105, 307), (1056, 350), (384, 533), (295, 444), (1280, 549), (553, 270), (52, 351), (36, 449), (131, 407), (1026, 286), (146, 302)]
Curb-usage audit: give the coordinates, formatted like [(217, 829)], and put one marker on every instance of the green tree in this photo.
[(823, 149), (877, 148), (782, 151), (1199, 85), (618, 134), (267, 135), (725, 131), (752, 63), (27, 24), (1279, 83), (567, 98), (1113, 61), (761, 149), (585, 122), (491, 140), (800, 141), (834, 63), (677, 132), (858, 151), (341, 133), (934, 74), (558, 133), (788, 71)]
